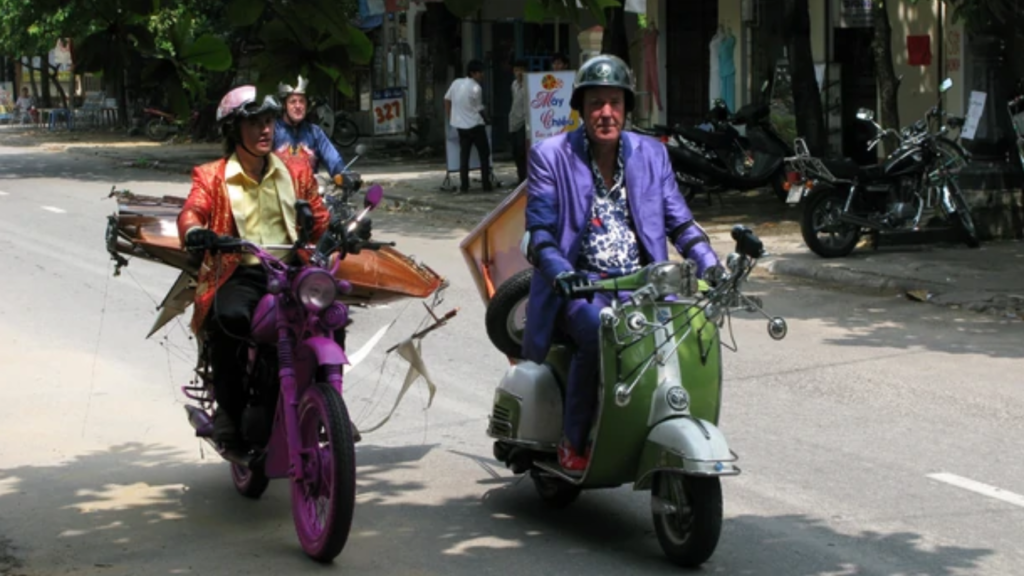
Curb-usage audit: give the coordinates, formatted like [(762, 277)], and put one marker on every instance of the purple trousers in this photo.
[(581, 322)]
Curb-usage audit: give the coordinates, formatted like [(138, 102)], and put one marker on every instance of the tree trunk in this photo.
[(54, 75), (44, 80), (614, 40), (810, 117), (888, 85)]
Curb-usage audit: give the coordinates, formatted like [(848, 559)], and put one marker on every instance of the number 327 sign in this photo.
[(389, 111)]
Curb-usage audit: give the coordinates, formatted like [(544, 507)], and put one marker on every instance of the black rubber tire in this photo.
[(343, 479), (821, 201), (157, 129), (963, 221), (248, 482), (704, 502), (555, 492), (346, 132), (508, 298)]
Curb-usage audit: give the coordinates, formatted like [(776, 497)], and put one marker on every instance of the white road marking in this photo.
[(2, 193), (979, 488), (54, 210)]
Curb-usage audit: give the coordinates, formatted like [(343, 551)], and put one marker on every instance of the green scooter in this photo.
[(659, 399)]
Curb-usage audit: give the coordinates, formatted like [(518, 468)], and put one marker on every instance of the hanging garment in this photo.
[(714, 80), (651, 83), (727, 70)]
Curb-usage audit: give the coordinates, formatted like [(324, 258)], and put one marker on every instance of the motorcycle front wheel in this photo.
[(324, 500), (963, 221), (157, 129), (687, 512), (821, 228)]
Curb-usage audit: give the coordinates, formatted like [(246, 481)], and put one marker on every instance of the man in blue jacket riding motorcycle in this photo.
[(601, 202), (294, 135)]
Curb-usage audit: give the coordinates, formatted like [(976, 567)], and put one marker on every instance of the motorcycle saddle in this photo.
[(850, 170), (712, 140), (750, 114)]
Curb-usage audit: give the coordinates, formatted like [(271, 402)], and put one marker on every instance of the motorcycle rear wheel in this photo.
[(689, 531), (555, 492), (158, 129), (821, 215), (346, 132), (323, 502), (249, 483)]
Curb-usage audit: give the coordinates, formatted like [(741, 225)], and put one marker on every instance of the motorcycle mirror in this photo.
[(373, 196), (764, 86), (304, 219), (946, 85), (361, 149), (865, 115)]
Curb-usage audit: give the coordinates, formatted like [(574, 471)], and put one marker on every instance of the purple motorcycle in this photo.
[(296, 422)]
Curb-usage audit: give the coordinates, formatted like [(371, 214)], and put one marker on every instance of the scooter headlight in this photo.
[(317, 290), (673, 278)]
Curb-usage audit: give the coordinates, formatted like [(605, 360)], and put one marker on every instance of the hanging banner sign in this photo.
[(548, 95)]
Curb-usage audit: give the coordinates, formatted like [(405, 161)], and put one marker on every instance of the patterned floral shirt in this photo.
[(609, 247)]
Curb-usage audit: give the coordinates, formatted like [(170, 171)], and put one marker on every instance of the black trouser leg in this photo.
[(228, 325), (465, 141), (483, 148), (519, 153)]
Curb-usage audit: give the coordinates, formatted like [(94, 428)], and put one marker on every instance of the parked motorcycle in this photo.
[(1016, 110), (338, 126), (159, 125), (917, 180), (659, 396), (721, 158)]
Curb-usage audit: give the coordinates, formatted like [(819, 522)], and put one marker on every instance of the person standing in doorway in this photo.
[(559, 62), (517, 118), (464, 107)]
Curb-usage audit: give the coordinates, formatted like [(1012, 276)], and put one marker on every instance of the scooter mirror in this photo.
[(946, 85), (865, 115), (361, 149), (373, 196)]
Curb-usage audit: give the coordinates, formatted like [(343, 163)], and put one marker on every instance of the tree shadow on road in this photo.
[(120, 510)]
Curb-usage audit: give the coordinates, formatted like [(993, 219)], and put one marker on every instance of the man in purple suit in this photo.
[(601, 203)]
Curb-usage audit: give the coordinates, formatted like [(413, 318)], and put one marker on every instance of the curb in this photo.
[(845, 277)]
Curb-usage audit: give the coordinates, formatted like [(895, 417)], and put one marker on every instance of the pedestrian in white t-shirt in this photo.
[(464, 107)]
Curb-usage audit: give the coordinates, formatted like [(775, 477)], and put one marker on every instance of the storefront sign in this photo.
[(548, 95), (389, 111), (854, 13)]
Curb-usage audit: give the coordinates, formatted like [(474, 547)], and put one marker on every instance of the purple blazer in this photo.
[(559, 200)]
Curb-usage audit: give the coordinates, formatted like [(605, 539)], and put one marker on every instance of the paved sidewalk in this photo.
[(990, 279)]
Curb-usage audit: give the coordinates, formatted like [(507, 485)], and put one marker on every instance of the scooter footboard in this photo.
[(688, 445)]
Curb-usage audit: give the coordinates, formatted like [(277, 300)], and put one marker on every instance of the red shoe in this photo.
[(572, 463)]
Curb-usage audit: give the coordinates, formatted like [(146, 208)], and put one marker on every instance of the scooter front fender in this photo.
[(685, 445)]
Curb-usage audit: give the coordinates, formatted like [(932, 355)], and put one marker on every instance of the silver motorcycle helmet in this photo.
[(285, 90), (603, 70)]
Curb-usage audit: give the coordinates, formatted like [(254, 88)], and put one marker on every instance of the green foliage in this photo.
[(539, 10)]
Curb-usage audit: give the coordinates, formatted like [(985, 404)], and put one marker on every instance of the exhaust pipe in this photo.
[(200, 420)]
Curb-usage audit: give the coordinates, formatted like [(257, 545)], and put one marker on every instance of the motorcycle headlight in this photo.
[(317, 290), (673, 278)]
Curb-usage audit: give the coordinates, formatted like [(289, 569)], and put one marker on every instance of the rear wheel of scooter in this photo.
[(555, 492), (324, 500), (249, 483), (158, 129), (821, 228), (687, 517)]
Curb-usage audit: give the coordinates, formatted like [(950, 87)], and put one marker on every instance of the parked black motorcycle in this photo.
[(842, 200), (723, 159)]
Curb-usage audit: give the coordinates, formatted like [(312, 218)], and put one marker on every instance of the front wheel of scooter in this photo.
[(687, 513), (324, 500)]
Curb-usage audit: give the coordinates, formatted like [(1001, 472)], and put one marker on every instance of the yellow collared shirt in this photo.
[(257, 206)]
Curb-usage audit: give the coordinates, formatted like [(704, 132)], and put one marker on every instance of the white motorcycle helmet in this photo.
[(284, 90)]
